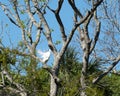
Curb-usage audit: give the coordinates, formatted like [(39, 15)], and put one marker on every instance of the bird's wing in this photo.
[(46, 54), (40, 52)]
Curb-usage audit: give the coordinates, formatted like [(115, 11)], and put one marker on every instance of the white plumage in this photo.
[(44, 55)]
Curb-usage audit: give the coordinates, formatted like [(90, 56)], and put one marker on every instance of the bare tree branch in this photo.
[(30, 13), (16, 10), (37, 36), (85, 42), (29, 31), (115, 62), (20, 88), (56, 12), (7, 12), (97, 32), (46, 26), (72, 3)]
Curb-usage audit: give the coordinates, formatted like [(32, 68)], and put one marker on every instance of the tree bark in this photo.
[(19, 88), (53, 86), (84, 73)]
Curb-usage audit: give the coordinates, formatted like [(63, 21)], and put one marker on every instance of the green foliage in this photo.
[(21, 46), (37, 80), (6, 57), (37, 83), (42, 0), (51, 30), (25, 0), (22, 12), (94, 66), (22, 24), (69, 73), (70, 70), (94, 91), (69, 64), (57, 42), (113, 82)]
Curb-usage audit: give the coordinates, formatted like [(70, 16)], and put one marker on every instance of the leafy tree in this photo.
[(113, 82), (8, 85), (34, 12), (31, 17), (69, 73)]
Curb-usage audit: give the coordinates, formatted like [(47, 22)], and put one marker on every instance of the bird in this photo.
[(44, 55)]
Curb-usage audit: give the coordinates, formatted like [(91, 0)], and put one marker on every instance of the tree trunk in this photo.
[(83, 85), (53, 86), (84, 72), (23, 94)]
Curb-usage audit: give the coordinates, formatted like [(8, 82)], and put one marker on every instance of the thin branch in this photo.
[(86, 34), (19, 86), (115, 62), (72, 3), (89, 13), (83, 19), (46, 26), (60, 3), (29, 30), (38, 36), (25, 41), (85, 41), (98, 2), (30, 13), (97, 32), (56, 12), (16, 91), (15, 51), (16, 10), (68, 41), (7, 12)]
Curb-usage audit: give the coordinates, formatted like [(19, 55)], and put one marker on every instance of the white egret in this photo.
[(44, 55)]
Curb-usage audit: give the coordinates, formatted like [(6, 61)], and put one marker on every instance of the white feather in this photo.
[(44, 55)]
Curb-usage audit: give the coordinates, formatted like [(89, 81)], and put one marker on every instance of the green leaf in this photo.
[(42, 0), (51, 30), (57, 42), (22, 12), (20, 43), (22, 23)]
